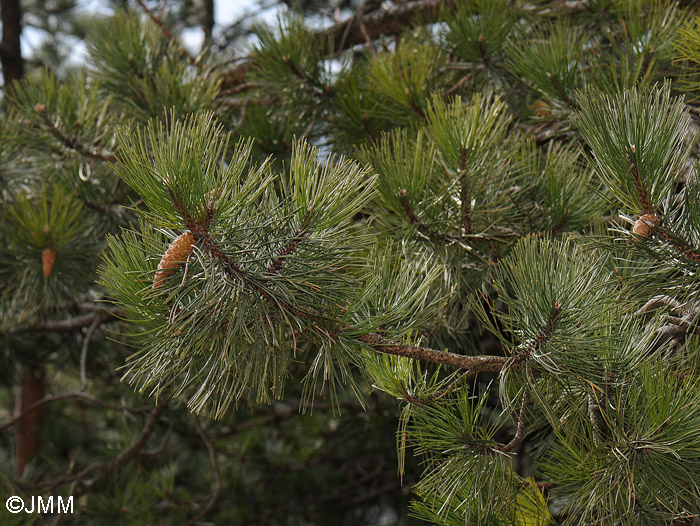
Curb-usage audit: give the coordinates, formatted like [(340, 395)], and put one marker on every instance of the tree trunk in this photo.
[(27, 430), (10, 50), (208, 25), (31, 377)]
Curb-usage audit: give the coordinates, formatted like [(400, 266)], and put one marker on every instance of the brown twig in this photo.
[(346, 34), (130, 452), (541, 338), (594, 417), (391, 21), (83, 354), (363, 28), (64, 396), (520, 430), (72, 144), (477, 364), (168, 34), (300, 234), (561, 93), (688, 252), (104, 468), (638, 183), (80, 321), (414, 105)]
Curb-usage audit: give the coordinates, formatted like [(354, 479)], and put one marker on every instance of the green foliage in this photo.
[(36, 224), (404, 80), (292, 62), (640, 141), (482, 233), (464, 468), (145, 72), (650, 441), (549, 57), (295, 265), (477, 31), (687, 49)]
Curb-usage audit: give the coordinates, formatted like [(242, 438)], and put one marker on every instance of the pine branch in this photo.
[(360, 16), (684, 249), (520, 430), (168, 34), (594, 417), (378, 343), (541, 338), (300, 234), (65, 396), (72, 144), (561, 93), (415, 221), (474, 364), (639, 185), (346, 34), (318, 90), (368, 129), (391, 21), (78, 393), (80, 321), (464, 192), (105, 468), (482, 51), (414, 105)]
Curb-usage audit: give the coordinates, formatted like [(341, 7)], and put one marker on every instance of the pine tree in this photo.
[(473, 222)]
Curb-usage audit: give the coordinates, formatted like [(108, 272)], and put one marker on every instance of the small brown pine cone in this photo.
[(177, 253), (48, 259), (643, 225)]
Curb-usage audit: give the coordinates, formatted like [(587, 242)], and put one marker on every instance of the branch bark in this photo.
[(475, 364), (104, 468), (358, 30), (72, 144)]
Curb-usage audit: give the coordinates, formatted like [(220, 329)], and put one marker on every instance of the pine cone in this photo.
[(643, 225), (177, 253), (48, 259)]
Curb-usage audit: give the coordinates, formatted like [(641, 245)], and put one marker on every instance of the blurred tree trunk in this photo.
[(10, 51), (208, 25), (31, 377), (27, 430)]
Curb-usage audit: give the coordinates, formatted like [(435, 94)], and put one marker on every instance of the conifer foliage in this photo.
[(481, 215)]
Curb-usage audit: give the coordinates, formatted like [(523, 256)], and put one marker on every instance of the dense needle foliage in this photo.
[(461, 238)]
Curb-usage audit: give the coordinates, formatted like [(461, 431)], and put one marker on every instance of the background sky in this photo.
[(225, 12)]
